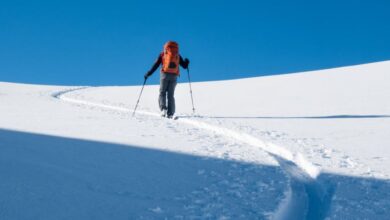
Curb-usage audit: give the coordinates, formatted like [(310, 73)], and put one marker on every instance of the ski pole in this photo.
[(189, 81), (139, 97)]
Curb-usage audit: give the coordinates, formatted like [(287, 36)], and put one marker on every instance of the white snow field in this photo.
[(312, 145)]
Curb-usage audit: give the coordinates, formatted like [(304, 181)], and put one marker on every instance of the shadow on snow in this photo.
[(297, 117), (48, 177)]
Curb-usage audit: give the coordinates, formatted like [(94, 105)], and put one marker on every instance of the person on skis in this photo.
[(169, 60)]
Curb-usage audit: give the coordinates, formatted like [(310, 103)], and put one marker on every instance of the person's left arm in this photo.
[(184, 62)]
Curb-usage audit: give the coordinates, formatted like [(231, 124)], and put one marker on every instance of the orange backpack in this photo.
[(171, 58)]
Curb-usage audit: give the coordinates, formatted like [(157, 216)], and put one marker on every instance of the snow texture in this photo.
[(310, 145)]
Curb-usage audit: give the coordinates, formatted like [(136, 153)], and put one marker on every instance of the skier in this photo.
[(170, 60)]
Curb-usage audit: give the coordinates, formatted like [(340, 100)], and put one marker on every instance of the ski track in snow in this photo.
[(307, 198)]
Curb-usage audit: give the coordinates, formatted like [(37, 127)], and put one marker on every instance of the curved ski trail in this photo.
[(307, 198)]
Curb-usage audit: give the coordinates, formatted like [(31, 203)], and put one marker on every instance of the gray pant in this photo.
[(167, 90)]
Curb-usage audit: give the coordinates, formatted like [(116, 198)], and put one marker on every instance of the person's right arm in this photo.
[(156, 64)]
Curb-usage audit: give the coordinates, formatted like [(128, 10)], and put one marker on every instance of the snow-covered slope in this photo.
[(310, 145)]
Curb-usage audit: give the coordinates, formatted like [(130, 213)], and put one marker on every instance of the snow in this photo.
[(312, 145)]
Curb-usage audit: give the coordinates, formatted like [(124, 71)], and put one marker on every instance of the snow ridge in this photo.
[(307, 197)]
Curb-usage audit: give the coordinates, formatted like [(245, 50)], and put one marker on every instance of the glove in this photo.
[(146, 76)]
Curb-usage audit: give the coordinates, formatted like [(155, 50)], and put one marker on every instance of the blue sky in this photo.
[(115, 42)]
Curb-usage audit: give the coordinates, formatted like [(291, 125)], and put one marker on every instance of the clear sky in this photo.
[(115, 42)]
